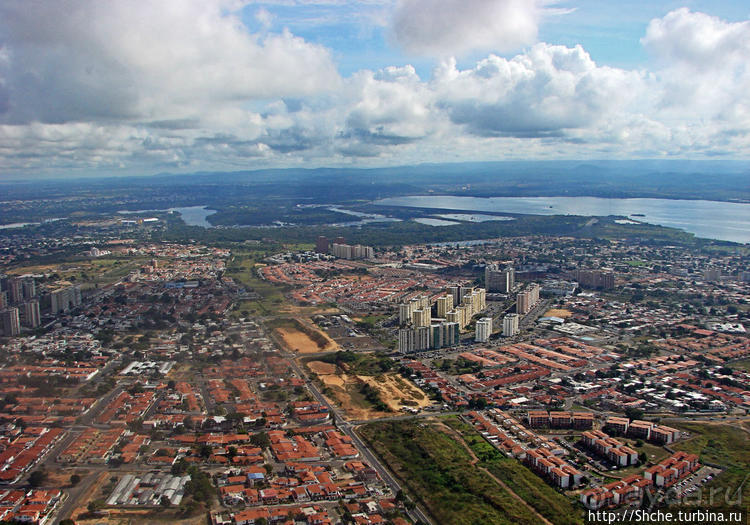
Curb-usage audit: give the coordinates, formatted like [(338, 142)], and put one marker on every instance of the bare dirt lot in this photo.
[(142, 517), (558, 313), (344, 390), (396, 392), (301, 342)]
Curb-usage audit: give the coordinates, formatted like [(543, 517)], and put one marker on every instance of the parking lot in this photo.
[(695, 481)]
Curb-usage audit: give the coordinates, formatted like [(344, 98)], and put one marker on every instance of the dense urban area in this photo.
[(155, 373)]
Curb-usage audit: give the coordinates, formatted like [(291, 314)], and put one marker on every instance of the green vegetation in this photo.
[(437, 471), (263, 297), (726, 446), (368, 322), (199, 486), (359, 364), (742, 364), (265, 212), (373, 397), (409, 232), (457, 366), (37, 478), (546, 500)]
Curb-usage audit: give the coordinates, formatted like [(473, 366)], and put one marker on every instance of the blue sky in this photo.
[(147, 86)]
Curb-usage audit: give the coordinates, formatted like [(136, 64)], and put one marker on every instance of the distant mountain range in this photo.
[(713, 180)]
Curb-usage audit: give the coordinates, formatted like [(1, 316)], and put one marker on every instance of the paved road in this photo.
[(74, 495), (348, 429)]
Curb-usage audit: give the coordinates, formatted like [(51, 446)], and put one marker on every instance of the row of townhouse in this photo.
[(647, 430), (614, 450), (34, 507), (626, 490), (313, 515), (20, 455), (560, 472), (561, 419), (672, 469)]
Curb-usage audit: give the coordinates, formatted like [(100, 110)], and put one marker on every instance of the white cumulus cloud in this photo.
[(158, 60), (453, 27)]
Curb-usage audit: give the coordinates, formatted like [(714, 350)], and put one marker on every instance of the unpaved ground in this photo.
[(141, 517), (558, 313), (308, 310), (299, 342), (394, 390), (90, 494)]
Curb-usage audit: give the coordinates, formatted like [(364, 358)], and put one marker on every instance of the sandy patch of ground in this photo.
[(396, 392), (321, 368), (141, 517), (298, 341), (308, 310), (334, 380), (556, 312), (344, 390), (61, 478), (90, 494)]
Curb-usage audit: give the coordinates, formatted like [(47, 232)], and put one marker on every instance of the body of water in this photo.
[(365, 218), (192, 215), (729, 221), (17, 225), (434, 222), (195, 215), (474, 217)]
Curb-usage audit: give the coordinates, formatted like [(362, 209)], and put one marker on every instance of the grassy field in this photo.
[(551, 504), (742, 364), (724, 445), (242, 267), (87, 272), (438, 472)]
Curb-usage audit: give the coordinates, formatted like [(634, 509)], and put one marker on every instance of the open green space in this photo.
[(547, 501), (742, 364), (263, 297), (359, 364), (726, 446), (438, 472)]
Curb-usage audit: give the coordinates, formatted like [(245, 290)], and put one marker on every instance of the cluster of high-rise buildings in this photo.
[(454, 310), (461, 303), (338, 248), (20, 303)]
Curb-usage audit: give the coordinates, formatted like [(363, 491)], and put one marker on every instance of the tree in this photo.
[(37, 478), (75, 479), (260, 440), (95, 505), (634, 413)]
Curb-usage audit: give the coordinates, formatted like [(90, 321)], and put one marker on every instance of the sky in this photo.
[(126, 87)]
